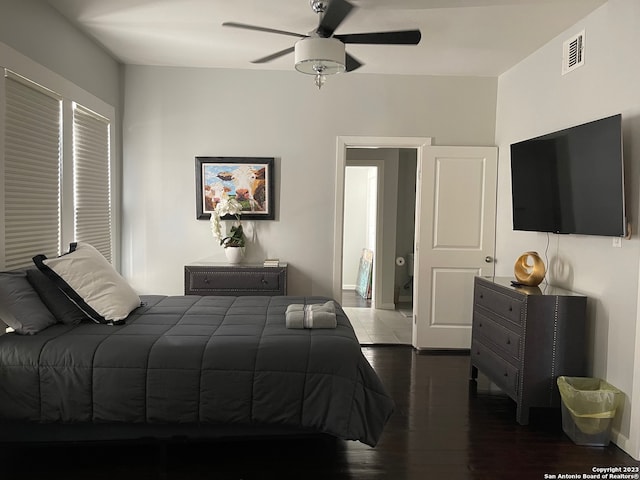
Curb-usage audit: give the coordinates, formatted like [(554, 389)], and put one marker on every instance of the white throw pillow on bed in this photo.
[(91, 282)]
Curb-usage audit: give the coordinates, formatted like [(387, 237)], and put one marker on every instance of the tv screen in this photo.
[(571, 181)]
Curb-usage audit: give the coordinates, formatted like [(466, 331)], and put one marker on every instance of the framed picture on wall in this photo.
[(247, 179)]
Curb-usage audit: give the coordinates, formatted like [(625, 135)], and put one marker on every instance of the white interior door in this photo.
[(455, 241)]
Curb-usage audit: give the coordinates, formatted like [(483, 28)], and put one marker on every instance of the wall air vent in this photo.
[(573, 53)]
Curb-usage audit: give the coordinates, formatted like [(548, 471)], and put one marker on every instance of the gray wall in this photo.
[(175, 114), (38, 31), (406, 220), (533, 99), (384, 268)]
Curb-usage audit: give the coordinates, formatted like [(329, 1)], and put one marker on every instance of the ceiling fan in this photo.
[(322, 53)]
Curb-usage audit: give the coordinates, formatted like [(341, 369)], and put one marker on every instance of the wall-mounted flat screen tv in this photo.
[(571, 181)]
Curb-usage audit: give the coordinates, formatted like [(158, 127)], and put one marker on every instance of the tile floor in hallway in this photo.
[(374, 327), (377, 326)]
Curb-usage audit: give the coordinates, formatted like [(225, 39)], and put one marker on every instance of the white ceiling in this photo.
[(459, 37)]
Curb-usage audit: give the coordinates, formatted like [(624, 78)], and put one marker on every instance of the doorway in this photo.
[(454, 233), (379, 232), (418, 144)]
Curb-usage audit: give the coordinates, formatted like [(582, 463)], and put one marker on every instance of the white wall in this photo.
[(533, 99), (175, 114), (356, 226)]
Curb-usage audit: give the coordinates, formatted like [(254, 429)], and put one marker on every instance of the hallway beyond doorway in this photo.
[(374, 326)]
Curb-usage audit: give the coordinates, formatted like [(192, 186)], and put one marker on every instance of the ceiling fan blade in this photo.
[(335, 14), (261, 29), (273, 56), (402, 37), (352, 63)]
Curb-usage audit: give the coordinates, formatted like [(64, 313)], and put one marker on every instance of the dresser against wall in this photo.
[(234, 280), (523, 338)]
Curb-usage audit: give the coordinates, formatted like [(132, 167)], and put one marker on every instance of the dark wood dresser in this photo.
[(236, 280), (523, 338)]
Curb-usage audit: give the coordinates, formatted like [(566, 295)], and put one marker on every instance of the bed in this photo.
[(190, 366)]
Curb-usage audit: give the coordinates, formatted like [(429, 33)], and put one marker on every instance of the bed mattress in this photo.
[(191, 360)]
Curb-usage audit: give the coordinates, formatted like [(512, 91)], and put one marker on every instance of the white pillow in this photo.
[(91, 282)]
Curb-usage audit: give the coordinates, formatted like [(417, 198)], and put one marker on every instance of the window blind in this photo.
[(92, 184), (32, 172)]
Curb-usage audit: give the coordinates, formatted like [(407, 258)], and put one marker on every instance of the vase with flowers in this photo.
[(234, 242)]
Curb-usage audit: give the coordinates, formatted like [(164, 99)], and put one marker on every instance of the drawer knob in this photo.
[(506, 374), (481, 295), (508, 341)]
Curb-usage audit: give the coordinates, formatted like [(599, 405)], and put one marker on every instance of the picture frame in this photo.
[(365, 274), (250, 180)]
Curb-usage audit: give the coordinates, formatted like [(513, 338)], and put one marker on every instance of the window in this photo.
[(92, 184), (42, 210), (31, 172)]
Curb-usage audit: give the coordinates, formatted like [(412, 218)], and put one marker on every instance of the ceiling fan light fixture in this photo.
[(320, 52), (320, 57)]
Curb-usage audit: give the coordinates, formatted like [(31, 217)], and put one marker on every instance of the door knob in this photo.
[(488, 259)]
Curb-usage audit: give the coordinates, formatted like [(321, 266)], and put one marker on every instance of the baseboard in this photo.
[(624, 443)]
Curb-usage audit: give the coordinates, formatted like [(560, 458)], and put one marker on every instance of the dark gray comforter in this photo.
[(196, 360)]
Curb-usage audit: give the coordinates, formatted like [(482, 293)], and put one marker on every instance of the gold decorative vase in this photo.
[(529, 269)]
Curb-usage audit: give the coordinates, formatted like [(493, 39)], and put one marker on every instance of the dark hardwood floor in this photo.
[(438, 431)]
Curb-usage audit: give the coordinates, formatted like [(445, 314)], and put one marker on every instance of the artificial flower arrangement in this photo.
[(228, 206)]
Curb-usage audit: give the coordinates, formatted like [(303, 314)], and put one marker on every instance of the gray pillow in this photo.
[(20, 305), (54, 299)]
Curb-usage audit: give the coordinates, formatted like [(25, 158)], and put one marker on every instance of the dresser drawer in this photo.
[(235, 281), (499, 371), (503, 338), (503, 305)]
